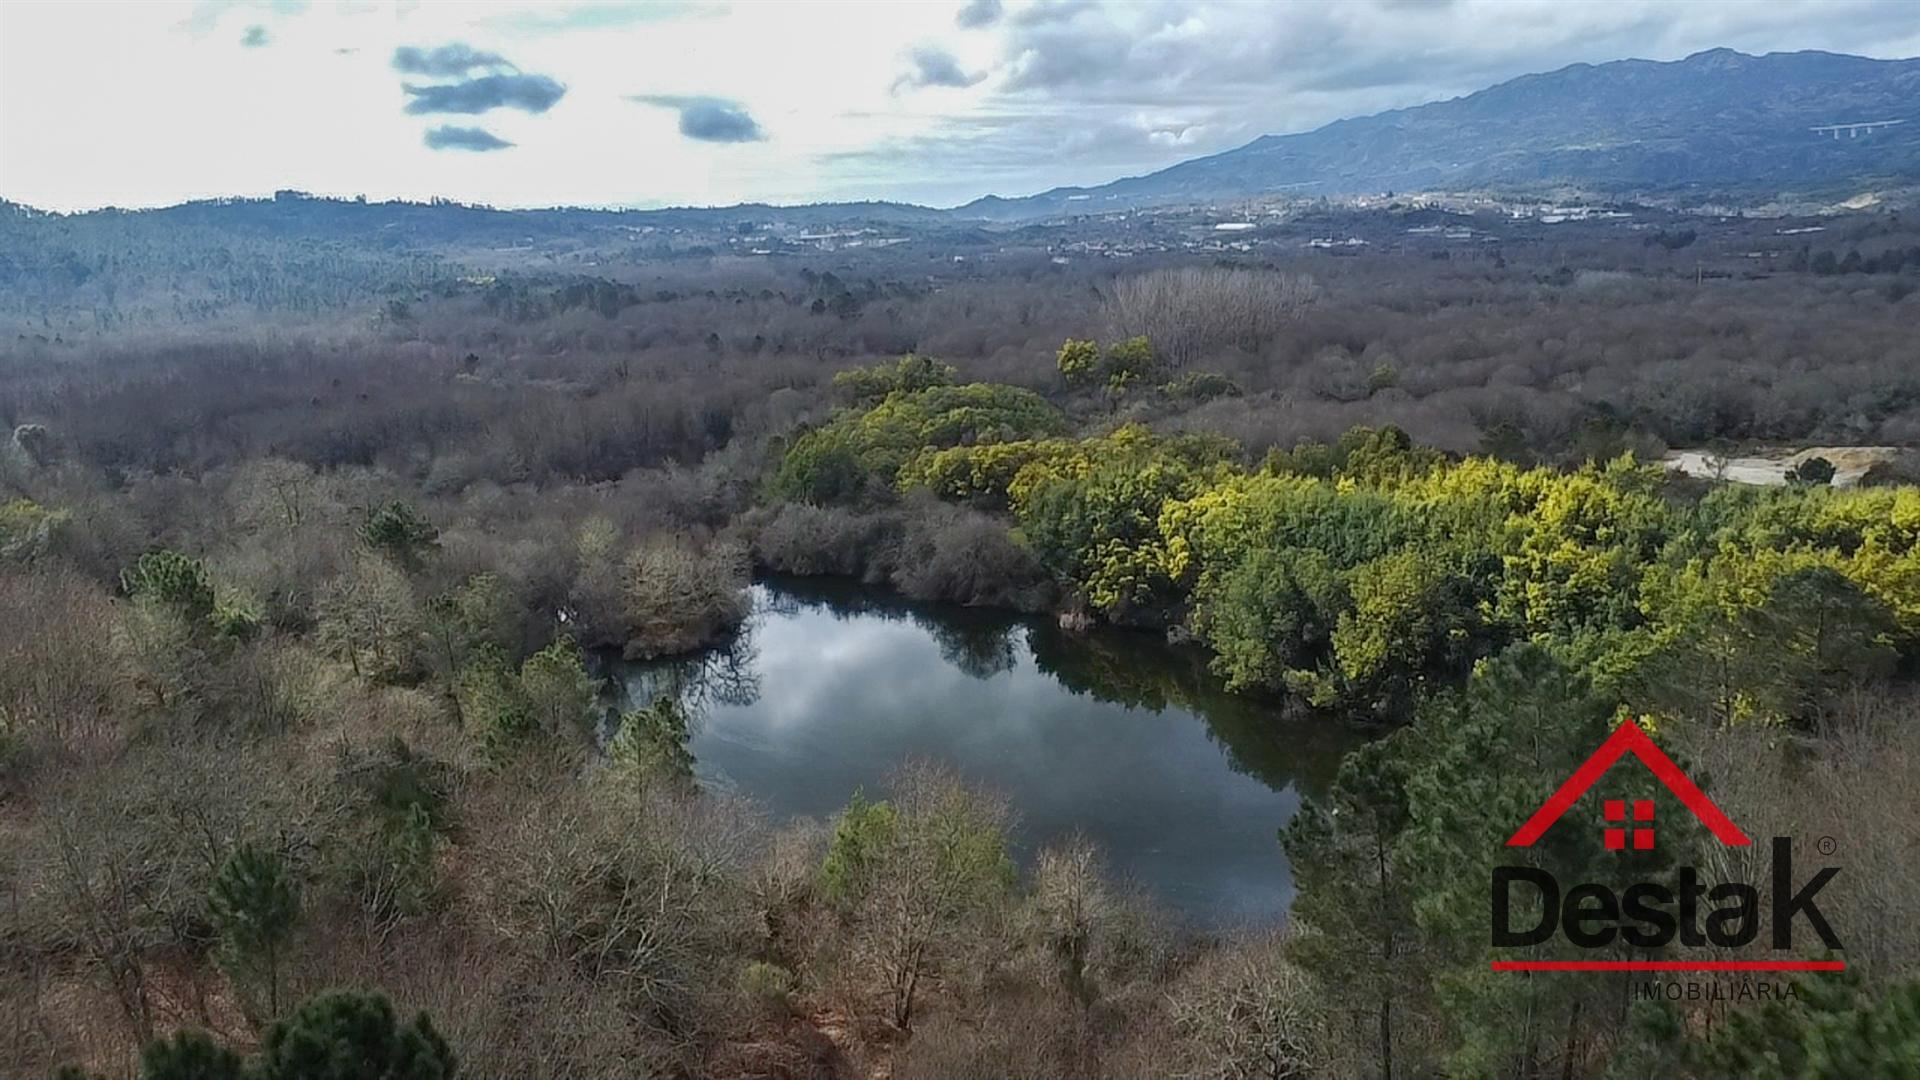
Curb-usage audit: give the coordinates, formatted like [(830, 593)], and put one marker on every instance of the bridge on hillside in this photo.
[(1854, 130)]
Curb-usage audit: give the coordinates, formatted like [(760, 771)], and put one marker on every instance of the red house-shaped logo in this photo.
[(1638, 834)]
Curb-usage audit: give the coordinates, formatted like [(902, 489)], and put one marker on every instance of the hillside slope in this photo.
[(1716, 123)]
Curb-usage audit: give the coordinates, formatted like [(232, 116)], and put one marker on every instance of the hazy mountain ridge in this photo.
[(1719, 126), (1719, 121), (293, 215)]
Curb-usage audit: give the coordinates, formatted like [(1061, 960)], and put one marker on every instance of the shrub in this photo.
[(1078, 359), (1814, 470), (1250, 1012), (175, 580), (679, 598), (822, 467), (861, 454), (1202, 386), (28, 530), (764, 982), (911, 372), (1131, 361), (960, 555), (796, 538)]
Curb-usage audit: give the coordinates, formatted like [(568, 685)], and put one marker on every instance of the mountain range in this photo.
[(1718, 128), (1719, 124)]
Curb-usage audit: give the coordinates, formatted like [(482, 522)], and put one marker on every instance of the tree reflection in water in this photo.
[(830, 687)]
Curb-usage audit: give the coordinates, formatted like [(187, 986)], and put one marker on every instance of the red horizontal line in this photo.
[(1669, 965)]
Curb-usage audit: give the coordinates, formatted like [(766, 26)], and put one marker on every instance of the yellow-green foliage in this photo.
[(1077, 358), (1130, 361), (1124, 364), (1428, 565), (1093, 514), (1361, 571), (27, 530), (985, 472), (1006, 474), (911, 372), (1495, 553), (836, 462), (907, 422), (1574, 552)]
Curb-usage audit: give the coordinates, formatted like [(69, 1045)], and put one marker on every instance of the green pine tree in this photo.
[(174, 580), (1834, 1028), (1355, 898), (354, 1035), (255, 904), (557, 688), (189, 1055), (652, 742), (399, 532), (1488, 758)]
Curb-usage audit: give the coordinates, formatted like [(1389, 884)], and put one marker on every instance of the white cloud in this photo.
[(153, 103)]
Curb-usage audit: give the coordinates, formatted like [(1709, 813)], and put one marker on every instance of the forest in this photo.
[(314, 549)]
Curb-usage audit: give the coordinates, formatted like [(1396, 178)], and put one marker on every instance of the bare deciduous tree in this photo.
[(1248, 1013), (371, 617), (931, 871), (628, 893), (679, 597), (1191, 312)]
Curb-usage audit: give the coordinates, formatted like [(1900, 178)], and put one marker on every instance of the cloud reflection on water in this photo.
[(1184, 800)]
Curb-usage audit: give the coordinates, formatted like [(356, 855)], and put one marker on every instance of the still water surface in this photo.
[(1113, 734)]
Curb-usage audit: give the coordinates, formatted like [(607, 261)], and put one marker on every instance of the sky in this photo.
[(687, 102)]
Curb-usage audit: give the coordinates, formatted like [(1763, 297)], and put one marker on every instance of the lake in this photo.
[(1113, 734)]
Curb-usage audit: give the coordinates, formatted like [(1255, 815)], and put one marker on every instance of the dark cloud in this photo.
[(449, 137), (708, 119), (447, 61), (528, 93), (718, 121), (255, 37), (977, 14), (930, 66)]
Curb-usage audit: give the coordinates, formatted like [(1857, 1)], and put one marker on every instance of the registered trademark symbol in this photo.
[(1825, 845)]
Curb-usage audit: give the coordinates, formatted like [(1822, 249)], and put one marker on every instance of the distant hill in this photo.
[(1717, 127), (1718, 124), (296, 215)]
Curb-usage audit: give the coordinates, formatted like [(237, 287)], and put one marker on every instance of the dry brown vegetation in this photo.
[(591, 456)]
